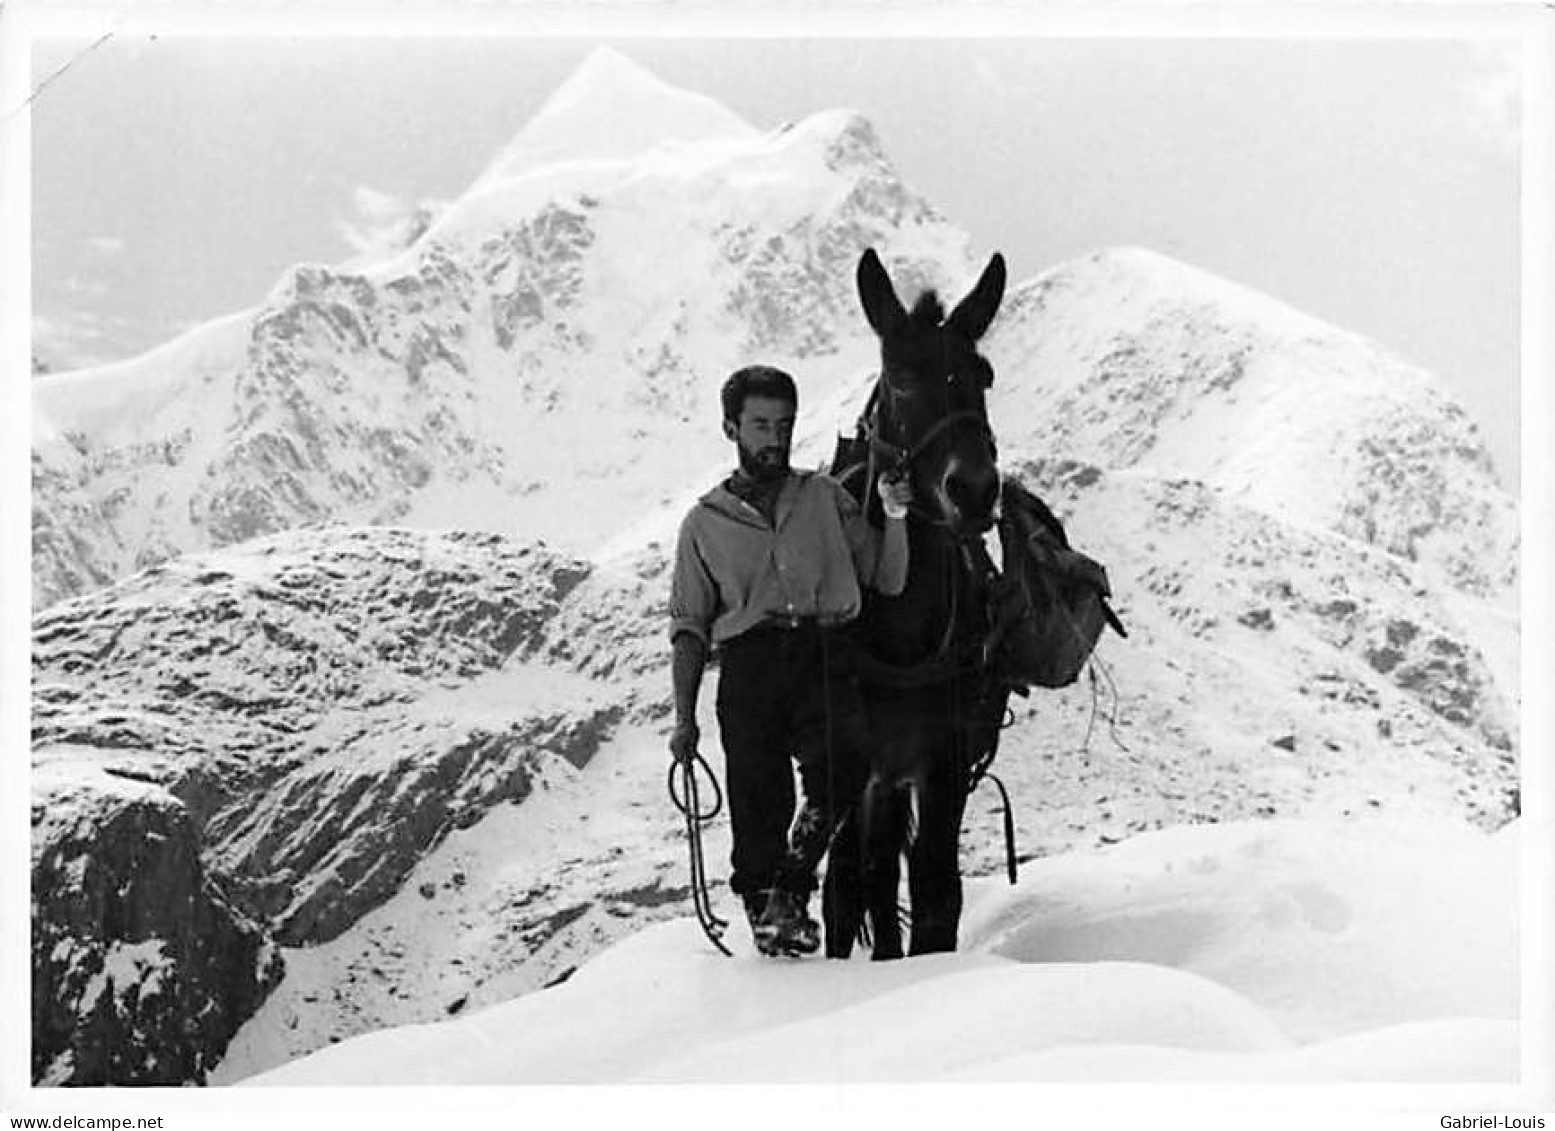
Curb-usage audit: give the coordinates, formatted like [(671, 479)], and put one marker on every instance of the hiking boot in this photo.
[(763, 933), (755, 903), (785, 927)]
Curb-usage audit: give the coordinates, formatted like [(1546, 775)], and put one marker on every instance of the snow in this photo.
[(138, 393), (1496, 630), (1150, 279), (1280, 912), (141, 966), (172, 404), (461, 926), (1376, 950), (775, 181), (1424, 1052), (493, 698), (611, 108), (1268, 437), (79, 786)]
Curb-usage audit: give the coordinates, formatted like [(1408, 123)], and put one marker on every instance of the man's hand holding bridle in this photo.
[(895, 491)]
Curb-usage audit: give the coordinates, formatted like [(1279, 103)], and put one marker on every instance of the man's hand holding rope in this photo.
[(684, 741)]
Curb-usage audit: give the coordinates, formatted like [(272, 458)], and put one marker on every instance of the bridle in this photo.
[(896, 458)]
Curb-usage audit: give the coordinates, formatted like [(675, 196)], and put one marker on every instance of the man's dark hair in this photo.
[(756, 381)]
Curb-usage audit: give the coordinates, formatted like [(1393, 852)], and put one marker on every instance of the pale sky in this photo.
[(1372, 183)]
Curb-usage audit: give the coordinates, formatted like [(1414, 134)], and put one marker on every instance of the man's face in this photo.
[(763, 435)]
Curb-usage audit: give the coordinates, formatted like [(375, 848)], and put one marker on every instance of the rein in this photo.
[(899, 458)]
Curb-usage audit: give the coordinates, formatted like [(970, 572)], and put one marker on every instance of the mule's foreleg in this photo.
[(934, 867), (842, 894), (884, 828)]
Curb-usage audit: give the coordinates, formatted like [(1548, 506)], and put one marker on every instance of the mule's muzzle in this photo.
[(971, 495)]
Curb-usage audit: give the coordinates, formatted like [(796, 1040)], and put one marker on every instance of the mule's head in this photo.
[(931, 412)]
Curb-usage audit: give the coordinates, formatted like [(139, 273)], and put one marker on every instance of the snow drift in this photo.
[(1364, 950)]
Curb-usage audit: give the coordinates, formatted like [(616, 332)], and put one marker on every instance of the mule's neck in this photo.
[(934, 608)]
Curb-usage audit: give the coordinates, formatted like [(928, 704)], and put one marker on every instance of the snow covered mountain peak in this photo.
[(1147, 279), (611, 109), (1128, 359)]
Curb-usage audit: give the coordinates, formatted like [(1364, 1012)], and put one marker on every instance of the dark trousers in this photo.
[(788, 694)]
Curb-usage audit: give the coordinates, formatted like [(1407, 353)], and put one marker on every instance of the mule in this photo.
[(934, 701)]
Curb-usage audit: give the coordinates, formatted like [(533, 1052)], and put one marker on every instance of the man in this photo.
[(768, 565)]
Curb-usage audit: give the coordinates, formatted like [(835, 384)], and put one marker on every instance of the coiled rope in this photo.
[(688, 800)]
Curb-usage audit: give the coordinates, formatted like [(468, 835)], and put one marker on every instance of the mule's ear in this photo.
[(881, 306), (973, 314)]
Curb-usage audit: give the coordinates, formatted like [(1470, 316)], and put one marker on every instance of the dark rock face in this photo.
[(1409, 498), (534, 272), (362, 838), (142, 968)]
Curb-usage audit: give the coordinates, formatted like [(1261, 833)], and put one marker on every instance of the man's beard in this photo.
[(764, 465)]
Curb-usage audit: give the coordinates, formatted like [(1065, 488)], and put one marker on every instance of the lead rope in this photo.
[(687, 800)]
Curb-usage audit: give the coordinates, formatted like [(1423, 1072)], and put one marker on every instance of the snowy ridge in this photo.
[(1274, 951), (1135, 360), (1128, 359)]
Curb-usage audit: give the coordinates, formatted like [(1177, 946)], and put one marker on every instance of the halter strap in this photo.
[(896, 458), (900, 457)]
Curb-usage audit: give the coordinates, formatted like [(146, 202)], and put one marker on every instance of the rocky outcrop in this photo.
[(262, 743), (330, 841), (142, 967)]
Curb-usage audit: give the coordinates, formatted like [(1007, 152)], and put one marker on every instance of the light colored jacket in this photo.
[(734, 570)]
